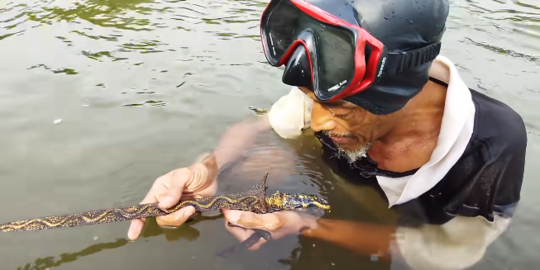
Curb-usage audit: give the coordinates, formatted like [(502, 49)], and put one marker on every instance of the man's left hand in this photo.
[(279, 224)]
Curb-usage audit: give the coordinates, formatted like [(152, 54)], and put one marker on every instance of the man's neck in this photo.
[(416, 131)]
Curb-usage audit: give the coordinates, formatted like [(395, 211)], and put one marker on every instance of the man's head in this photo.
[(352, 128), (361, 61), (401, 26)]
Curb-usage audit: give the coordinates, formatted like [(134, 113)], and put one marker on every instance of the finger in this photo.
[(250, 220), (177, 218), (136, 226), (135, 229), (242, 234), (244, 219), (174, 192), (160, 187)]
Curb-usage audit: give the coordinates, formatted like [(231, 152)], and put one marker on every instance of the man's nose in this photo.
[(321, 118)]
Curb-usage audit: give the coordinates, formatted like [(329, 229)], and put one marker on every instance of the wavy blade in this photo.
[(251, 200), (84, 218)]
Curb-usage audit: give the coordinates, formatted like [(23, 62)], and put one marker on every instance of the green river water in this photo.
[(140, 87)]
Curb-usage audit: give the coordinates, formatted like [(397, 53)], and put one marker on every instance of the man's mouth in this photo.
[(340, 139)]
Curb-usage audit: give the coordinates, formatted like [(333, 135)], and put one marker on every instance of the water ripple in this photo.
[(502, 50), (138, 37), (510, 21), (134, 79)]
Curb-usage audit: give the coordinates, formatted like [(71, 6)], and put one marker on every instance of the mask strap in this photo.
[(399, 61)]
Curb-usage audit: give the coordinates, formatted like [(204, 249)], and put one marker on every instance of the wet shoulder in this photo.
[(498, 125), (488, 177)]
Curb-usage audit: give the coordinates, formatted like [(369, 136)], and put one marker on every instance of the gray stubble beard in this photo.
[(354, 155)]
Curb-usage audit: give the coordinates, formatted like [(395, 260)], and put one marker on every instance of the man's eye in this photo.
[(342, 115), (332, 105)]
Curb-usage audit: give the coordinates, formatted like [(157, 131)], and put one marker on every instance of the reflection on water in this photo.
[(145, 86), (47, 263), (184, 233)]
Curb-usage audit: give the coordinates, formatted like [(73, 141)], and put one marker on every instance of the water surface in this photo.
[(143, 87)]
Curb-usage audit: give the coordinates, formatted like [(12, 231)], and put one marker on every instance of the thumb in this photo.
[(172, 196)]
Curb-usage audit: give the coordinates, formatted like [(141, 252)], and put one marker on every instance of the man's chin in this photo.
[(353, 154)]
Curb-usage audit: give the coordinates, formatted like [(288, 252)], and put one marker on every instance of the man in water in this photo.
[(369, 81)]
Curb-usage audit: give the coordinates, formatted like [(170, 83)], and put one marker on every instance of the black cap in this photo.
[(401, 25)]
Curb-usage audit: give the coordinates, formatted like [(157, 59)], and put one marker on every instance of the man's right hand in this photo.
[(195, 181)]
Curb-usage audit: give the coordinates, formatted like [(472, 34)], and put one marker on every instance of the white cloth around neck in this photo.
[(292, 113), (456, 130)]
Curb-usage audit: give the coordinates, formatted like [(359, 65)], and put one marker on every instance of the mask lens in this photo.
[(280, 29), (332, 51), (336, 57)]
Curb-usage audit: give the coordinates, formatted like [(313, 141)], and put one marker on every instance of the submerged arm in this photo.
[(362, 238), (239, 138), (287, 117), (425, 247)]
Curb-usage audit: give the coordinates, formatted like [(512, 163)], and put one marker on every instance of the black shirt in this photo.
[(486, 180)]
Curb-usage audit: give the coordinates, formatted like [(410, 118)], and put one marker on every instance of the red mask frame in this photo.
[(365, 74)]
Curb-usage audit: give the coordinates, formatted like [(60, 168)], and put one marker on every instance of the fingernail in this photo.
[(233, 216)]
